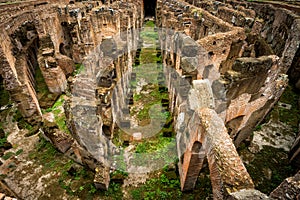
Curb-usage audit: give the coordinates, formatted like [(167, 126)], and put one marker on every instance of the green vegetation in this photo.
[(9, 2), (59, 115), (118, 173), (114, 191), (78, 69), (150, 24), (3, 138), (276, 167), (137, 97), (148, 100), (73, 178), (8, 155), (258, 127), (23, 124), (292, 116), (149, 35), (270, 166), (161, 147), (167, 186), (152, 145), (120, 161), (45, 97), (158, 188)]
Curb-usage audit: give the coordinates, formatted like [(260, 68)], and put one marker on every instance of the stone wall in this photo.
[(229, 47), (226, 65), (238, 72), (48, 37)]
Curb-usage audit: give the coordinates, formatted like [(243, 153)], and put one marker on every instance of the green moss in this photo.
[(7, 155), (78, 69), (273, 159), (148, 100), (150, 24), (114, 191), (73, 178), (152, 145), (59, 115), (61, 122), (292, 116), (137, 97), (3, 140), (19, 152), (23, 124), (158, 188)]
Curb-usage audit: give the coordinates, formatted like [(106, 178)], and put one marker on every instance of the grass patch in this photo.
[(137, 97), (150, 24), (59, 115), (158, 188), (157, 144), (166, 185), (148, 100), (76, 180)]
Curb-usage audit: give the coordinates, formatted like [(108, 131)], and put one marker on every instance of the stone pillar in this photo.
[(227, 171)]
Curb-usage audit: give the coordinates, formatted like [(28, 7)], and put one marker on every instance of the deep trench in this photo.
[(143, 57), (149, 58), (147, 89)]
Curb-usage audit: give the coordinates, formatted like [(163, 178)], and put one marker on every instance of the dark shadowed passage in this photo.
[(149, 6)]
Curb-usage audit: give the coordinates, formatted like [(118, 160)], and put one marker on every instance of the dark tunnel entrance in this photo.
[(149, 8)]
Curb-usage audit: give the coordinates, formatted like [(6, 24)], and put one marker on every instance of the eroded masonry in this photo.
[(215, 69)]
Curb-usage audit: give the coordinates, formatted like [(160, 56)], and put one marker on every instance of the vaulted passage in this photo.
[(149, 8)]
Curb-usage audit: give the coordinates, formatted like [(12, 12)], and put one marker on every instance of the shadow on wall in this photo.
[(149, 8)]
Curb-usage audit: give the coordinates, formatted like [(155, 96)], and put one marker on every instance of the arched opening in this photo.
[(149, 8), (62, 49), (196, 147)]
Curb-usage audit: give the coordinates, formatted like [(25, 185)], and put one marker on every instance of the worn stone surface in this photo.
[(288, 189), (231, 56), (248, 194)]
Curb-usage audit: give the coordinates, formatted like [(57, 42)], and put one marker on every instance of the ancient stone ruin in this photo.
[(82, 73)]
